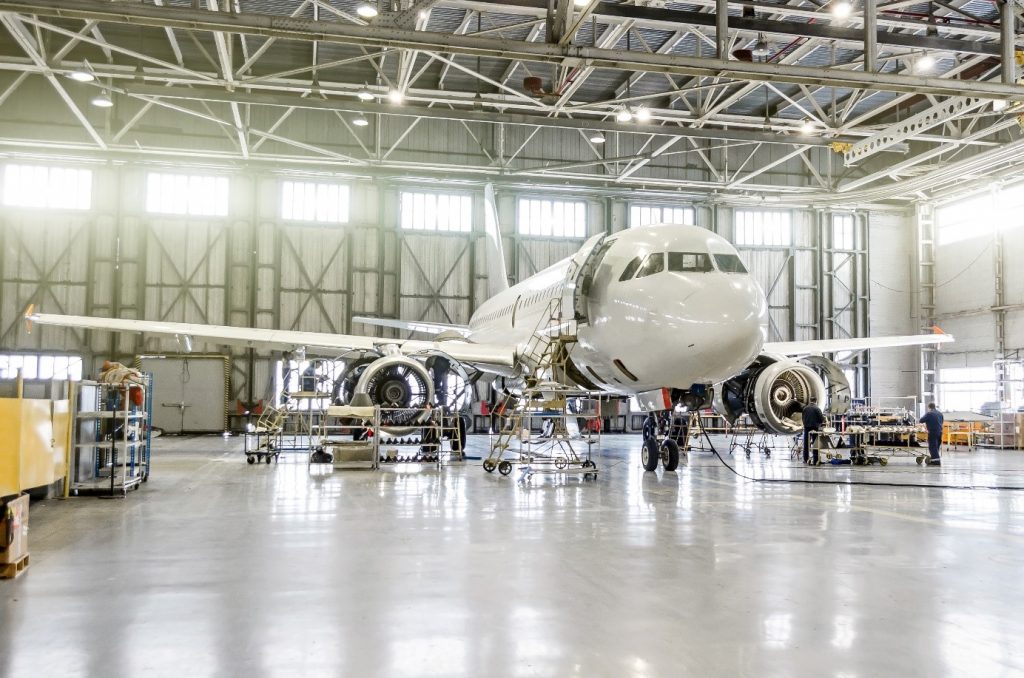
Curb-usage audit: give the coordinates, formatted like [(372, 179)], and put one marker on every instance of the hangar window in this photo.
[(655, 263), (310, 201), (843, 232), (55, 187), (437, 212), (36, 366), (194, 194), (763, 228), (966, 388), (552, 218), (689, 262), (645, 215)]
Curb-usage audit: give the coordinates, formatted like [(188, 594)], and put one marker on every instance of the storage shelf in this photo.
[(108, 414)]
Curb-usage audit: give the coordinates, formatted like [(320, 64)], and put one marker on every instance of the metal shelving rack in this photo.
[(112, 438)]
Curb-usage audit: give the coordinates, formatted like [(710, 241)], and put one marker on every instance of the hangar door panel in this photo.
[(189, 392)]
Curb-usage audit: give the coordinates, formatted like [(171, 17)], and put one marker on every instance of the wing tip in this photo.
[(30, 315)]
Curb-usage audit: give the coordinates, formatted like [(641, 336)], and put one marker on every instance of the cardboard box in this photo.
[(14, 530)]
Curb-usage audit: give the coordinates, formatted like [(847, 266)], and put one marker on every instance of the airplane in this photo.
[(666, 313)]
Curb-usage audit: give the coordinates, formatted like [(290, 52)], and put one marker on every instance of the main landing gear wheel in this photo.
[(650, 427), (489, 465), (649, 454), (669, 455), (505, 467)]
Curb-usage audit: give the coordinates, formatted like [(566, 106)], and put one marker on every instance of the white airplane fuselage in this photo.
[(699, 320)]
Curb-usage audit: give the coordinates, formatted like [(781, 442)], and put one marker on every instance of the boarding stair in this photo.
[(544, 395)]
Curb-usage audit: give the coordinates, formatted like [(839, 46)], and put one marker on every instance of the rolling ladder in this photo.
[(544, 395)]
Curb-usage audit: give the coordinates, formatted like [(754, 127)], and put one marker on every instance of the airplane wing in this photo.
[(412, 325), (497, 355), (794, 348)]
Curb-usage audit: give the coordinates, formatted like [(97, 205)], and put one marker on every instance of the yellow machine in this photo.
[(34, 439)]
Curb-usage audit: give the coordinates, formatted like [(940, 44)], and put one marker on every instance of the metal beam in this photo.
[(370, 36), (214, 94), (722, 29), (870, 36), (26, 42), (1007, 48)]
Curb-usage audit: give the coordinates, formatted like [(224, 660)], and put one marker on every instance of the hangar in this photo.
[(518, 337)]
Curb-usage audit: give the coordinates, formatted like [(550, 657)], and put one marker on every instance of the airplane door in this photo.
[(578, 277)]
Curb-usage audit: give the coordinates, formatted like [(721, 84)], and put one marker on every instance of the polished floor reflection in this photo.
[(218, 568)]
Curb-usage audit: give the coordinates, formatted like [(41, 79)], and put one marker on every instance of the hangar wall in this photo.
[(254, 268)]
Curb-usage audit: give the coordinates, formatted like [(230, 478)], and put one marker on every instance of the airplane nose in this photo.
[(727, 329), (739, 325)]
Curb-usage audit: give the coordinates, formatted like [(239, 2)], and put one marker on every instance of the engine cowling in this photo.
[(773, 392), (400, 385)]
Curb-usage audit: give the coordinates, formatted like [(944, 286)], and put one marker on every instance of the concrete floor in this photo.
[(217, 568)]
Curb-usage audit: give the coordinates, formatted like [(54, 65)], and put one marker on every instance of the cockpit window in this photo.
[(630, 269), (729, 263), (689, 262), (655, 263)]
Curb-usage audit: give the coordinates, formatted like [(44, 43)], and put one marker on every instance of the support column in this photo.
[(1007, 38), (926, 296), (722, 29), (999, 307), (870, 36)]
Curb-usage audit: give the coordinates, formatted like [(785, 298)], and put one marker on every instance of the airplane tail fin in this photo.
[(497, 276)]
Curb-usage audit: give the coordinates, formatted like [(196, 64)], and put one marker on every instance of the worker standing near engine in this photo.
[(813, 420), (932, 421)]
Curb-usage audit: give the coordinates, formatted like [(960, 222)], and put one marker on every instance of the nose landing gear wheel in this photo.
[(505, 467), (669, 455), (649, 454), (489, 466)]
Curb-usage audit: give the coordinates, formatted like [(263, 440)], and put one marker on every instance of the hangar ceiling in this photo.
[(785, 103)]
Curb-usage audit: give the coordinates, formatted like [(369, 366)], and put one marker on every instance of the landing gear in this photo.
[(650, 429), (649, 454), (669, 455)]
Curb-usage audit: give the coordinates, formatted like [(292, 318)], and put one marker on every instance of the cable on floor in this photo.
[(808, 481)]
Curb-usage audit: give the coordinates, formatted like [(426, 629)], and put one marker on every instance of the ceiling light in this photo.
[(841, 9), (360, 121), (1000, 105), (623, 115), (581, 3), (807, 128), (365, 95), (596, 138), (761, 46), (102, 100), (395, 96), (643, 114), (82, 76), (366, 11), (925, 63)]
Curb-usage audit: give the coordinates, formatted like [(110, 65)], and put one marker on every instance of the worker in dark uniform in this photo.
[(813, 420), (932, 421)]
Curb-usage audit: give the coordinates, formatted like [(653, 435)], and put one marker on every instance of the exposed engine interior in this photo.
[(774, 390)]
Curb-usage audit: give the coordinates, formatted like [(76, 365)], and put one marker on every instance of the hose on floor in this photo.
[(809, 481)]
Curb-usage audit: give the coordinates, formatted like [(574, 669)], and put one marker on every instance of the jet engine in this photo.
[(399, 384), (774, 390)]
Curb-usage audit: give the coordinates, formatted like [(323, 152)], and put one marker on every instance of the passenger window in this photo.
[(729, 263), (655, 263), (689, 262), (630, 269)]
